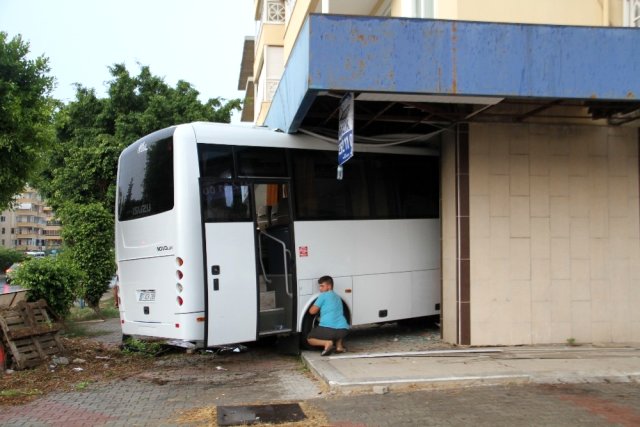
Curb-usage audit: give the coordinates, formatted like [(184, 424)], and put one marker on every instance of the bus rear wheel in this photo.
[(309, 322)]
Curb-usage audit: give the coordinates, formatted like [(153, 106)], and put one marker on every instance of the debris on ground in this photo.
[(99, 363)]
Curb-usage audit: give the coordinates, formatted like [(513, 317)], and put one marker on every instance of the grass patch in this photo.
[(145, 348), (75, 330), (82, 385), (19, 393), (108, 310)]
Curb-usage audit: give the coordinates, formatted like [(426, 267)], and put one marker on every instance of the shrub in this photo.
[(88, 233), (8, 257), (53, 279)]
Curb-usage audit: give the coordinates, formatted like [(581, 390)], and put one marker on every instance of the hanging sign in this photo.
[(345, 129)]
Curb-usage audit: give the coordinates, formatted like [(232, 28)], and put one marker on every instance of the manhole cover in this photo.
[(275, 414)]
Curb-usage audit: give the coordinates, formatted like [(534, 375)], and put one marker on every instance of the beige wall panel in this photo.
[(565, 12), (559, 175), (560, 258), (573, 256), (481, 253), (479, 221), (540, 238), (560, 219), (601, 332), (598, 177), (539, 156), (579, 196), (580, 238), (601, 304), (621, 332), (479, 175), (519, 175), (581, 321), (539, 196), (541, 280), (618, 196), (599, 217), (580, 280), (498, 155), (499, 240), (519, 259), (499, 195), (520, 218), (598, 147), (519, 140)]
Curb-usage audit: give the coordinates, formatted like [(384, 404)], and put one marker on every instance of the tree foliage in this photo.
[(8, 257), (80, 178), (54, 279), (25, 115), (92, 131), (89, 237)]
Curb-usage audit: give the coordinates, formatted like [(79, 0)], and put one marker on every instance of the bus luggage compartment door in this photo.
[(231, 283)]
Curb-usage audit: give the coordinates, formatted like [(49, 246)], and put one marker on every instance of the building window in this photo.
[(632, 13), (3, 230), (275, 11), (423, 8), (2, 219)]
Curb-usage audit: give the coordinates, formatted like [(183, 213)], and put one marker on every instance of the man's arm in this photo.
[(314, 309)]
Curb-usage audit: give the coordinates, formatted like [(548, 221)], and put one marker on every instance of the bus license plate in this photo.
[(146, 296)]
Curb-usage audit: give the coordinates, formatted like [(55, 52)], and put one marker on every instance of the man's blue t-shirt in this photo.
[(331, 315)]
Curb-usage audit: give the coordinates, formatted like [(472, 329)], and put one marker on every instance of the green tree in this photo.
[(92, 131), (25, 115), (8, 257), (79, 182), (88, 234)]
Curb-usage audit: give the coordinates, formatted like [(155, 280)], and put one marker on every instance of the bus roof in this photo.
[(227, 134)]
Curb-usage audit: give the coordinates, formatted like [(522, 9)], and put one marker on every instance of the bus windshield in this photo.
[(145, 182)]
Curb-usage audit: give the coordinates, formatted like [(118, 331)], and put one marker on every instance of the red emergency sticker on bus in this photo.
[(303, 251)]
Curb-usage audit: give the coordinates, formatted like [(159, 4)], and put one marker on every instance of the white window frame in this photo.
[(423, 8), (632, 13)]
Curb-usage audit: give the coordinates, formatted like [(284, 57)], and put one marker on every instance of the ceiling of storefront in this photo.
[(391, 115)]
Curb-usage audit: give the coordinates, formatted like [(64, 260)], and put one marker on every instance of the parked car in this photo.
[(10, 271)]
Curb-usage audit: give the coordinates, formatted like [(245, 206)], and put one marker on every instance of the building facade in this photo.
[(30, 225), (535, 108)]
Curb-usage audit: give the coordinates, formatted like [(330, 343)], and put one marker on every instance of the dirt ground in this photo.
[(98, 359)]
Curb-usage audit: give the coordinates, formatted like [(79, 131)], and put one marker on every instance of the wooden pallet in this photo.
[(28, 334)]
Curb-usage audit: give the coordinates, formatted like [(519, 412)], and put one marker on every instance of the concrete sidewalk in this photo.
[(380, 372)]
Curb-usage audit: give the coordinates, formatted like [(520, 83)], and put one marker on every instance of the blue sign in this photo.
[(345, 129)]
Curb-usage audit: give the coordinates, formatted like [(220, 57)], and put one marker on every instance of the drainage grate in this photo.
[(275, 414)]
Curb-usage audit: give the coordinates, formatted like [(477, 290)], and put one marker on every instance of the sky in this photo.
[(199, 41)]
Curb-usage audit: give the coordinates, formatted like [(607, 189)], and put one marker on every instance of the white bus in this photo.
[(222, 232)]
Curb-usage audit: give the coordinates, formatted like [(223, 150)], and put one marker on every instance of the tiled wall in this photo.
[(449, 239), (555, 234)]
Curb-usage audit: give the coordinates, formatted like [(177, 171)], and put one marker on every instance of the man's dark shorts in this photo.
[(324, 333)]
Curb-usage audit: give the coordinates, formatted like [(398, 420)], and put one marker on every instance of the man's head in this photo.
[(326, 283)]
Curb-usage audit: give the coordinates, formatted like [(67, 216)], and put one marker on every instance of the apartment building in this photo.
[(534, 106), (30, 225)]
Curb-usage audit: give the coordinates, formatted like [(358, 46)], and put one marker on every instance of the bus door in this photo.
[(230, 262), (274, 257)]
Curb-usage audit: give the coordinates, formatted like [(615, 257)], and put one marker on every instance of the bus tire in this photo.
[(308, 322), (124, 340)]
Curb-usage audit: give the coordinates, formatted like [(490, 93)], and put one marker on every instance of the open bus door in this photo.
[(248, 260), (230, 265)]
